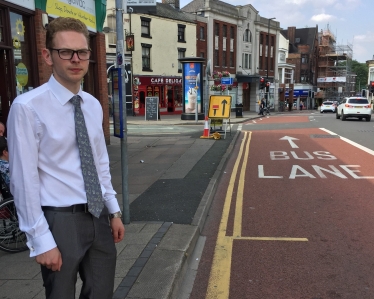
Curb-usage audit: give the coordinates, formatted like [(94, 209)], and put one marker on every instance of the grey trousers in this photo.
[(87, 247)]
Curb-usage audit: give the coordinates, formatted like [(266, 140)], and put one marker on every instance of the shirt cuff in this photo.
[(112, 205), (41, 244)]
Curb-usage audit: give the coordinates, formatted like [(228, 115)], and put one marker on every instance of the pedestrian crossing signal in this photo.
[(262, 83)]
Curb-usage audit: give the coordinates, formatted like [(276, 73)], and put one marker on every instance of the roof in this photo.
[(194, 6), (169, 12)]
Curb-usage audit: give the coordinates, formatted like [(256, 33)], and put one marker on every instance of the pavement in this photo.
[(171, 182)]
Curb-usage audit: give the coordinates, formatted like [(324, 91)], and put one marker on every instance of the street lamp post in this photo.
[(268, 44), (268, 62)]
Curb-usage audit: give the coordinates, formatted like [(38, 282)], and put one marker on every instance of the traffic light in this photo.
[(371, 87), (267, 86), (262, 83)]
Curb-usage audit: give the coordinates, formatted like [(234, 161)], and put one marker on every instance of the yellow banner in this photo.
[(62, 8)]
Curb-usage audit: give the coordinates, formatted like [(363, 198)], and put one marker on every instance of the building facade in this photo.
[(248, 53), (303, 53), (160, 38)]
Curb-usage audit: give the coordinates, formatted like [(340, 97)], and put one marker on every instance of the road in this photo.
[(293, 214)]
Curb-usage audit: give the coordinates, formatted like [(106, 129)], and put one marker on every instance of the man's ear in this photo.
[(47, 56)]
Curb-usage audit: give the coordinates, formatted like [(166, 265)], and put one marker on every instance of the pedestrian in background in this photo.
[(2, 129), (301, 105), (60, 175)]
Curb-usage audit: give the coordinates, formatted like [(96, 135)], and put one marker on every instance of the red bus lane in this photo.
[(297, 219), (279, 119)]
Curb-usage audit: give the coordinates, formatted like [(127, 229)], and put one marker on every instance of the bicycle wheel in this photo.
[(12, 239)]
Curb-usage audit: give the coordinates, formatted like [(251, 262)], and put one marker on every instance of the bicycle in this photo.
[(12, 239)]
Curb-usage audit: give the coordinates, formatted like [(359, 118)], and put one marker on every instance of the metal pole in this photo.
[(268, 61), (124, 159)]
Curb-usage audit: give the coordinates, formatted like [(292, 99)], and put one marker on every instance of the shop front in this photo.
[(167, 89), (22, 38), (18, 68)]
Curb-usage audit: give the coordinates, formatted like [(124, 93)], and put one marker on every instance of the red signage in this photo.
[(158, 80)]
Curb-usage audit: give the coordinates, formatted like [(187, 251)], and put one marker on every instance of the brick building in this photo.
[(22, 38), (303, 52)]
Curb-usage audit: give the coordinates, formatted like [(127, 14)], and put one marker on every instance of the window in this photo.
[(181, 29), (146, 57), (202, 33), (202, 54), (224, 59), (216, 29), (146, 24), (215, 60), (232, 32), (181, 54), (111, 35), (246, 61), (224, 31), (246, 36), (231, 59), (371, 74), (304, 59)]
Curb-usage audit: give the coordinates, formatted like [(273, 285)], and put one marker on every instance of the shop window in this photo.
[(181, 33), (146, 27), (1, 26), (22, 52), (146, 57)]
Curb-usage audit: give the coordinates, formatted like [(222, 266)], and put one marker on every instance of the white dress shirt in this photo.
[(45, 166)]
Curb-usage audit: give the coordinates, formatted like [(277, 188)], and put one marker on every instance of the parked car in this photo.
[(354, 107), (327, 106)]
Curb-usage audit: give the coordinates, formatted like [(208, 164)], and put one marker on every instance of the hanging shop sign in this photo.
[(83, 10)]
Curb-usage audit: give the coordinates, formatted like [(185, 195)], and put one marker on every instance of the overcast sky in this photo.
[(351, 21)]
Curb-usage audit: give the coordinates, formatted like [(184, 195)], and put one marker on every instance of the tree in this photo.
[(361, 70)]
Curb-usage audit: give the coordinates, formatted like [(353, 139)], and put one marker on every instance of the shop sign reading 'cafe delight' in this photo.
[(160, 80)]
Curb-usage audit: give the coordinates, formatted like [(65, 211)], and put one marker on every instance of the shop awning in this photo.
[(247, 78)]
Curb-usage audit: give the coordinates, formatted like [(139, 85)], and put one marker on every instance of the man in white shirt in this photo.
[(47, 176)]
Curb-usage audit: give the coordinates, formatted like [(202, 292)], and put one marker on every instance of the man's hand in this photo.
[(50, 259), (118, 229)]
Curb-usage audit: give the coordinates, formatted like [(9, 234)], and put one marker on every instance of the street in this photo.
[(293, 213)]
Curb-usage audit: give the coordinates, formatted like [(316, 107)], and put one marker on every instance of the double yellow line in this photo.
[(219, 280)]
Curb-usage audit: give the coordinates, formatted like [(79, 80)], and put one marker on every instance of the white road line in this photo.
[(240, 127), (361, 147)]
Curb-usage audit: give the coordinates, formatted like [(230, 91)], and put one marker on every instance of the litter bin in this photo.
[(239, 110)]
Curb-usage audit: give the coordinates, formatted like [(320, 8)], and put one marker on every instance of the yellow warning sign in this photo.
[(219, 106)]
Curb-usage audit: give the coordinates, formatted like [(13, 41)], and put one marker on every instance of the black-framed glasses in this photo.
[(67, 54)]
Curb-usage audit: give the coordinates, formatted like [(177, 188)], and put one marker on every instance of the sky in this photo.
[(350, 21)]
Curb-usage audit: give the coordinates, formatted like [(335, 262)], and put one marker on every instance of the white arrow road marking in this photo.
[(289, 139)]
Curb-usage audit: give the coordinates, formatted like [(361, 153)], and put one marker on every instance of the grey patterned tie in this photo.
[(89, 171)]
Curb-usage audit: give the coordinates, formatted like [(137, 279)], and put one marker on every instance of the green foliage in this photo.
[(361, 70)]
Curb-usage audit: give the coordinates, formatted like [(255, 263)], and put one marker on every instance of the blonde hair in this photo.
[(65, 24)]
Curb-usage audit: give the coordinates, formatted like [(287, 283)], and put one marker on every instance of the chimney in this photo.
[(291, 31), (174, 3)]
